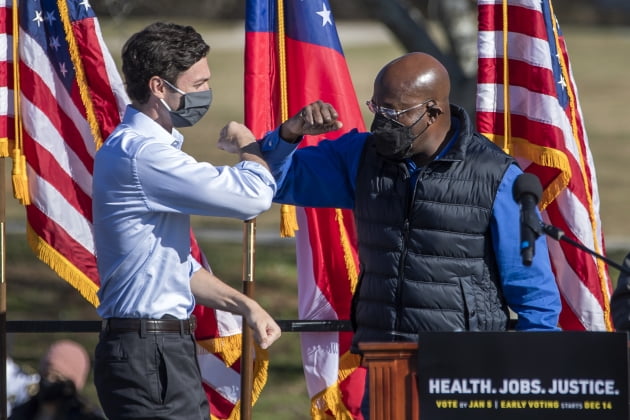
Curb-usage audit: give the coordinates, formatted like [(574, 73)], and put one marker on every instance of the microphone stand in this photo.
[(559, 235)]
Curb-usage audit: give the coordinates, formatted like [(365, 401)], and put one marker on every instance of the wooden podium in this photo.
[(393, 387), (568, 375)]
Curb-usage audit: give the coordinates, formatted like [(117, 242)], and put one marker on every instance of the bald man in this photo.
[(437, 225)]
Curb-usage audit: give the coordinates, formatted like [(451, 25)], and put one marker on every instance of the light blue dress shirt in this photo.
[(144, 190), (325, 176)]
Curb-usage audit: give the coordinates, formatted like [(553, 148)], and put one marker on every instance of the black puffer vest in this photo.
[(427, 262)]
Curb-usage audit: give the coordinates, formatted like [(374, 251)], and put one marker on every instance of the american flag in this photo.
[(71, 96), (294, 57), (542, 127)]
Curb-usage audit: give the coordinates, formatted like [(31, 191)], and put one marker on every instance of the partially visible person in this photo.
[(145, 188), (21, 386), (620, 300), (63, 371)]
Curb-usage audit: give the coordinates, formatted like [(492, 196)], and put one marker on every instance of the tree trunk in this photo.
[(409, 25)]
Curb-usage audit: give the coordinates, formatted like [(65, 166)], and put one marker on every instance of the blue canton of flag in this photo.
[(41, 20), (551, 26), (312, 23)]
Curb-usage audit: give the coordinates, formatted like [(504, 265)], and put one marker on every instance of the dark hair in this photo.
[(160, 49)]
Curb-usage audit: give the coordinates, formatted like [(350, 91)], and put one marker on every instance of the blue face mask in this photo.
[(194, 106)]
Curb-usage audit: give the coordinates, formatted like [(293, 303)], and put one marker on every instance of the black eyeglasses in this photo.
[(390, 113)]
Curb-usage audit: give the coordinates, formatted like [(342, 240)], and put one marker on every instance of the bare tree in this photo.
[(446, 29), (207, 9)]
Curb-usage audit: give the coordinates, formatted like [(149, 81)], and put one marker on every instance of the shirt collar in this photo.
[(455, 130), (142, 122)]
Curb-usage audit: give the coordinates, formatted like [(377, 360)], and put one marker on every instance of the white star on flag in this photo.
[(50, 18), (562, 83), (325, 14), (54, 43), (38, 17), (62, 69)]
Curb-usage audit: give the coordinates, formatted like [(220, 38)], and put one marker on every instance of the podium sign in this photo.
[(523, 375)]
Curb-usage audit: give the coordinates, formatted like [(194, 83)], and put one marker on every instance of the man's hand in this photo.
[(265, 329), (212, 292), (234, 137), (315, 118), (237, 138)]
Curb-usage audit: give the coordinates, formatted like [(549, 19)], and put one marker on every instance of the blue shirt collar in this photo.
[(455, 126)]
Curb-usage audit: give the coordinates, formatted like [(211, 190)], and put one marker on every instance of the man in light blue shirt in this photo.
[(144, 190)]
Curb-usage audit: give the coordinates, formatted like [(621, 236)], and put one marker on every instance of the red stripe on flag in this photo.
[(326, 247), (220, 408), (47, 167), (38, 92), (568, 318), (208, 328), (308, 82), (543, 134), (520, 20), (536, 79), (6, 77), (62, 242), (96, 74), (582, 264), (6, 20), (262, 81)]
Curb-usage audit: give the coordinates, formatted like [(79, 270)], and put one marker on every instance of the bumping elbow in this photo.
[(266, 199), (259, 203)]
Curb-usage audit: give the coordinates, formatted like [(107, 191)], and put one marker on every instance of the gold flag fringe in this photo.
[(331, 398), (348, 256), (19, 178), (543, 156), (62, 266), (288, 221), (4, 147), (80, 74), (229, 349)]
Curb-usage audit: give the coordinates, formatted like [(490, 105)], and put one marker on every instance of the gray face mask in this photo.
[(194, 106)]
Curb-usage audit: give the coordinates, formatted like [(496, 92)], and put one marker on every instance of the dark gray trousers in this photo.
[(149, 376)]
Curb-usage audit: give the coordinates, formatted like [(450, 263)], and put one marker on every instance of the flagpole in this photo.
[(3, 297), (247, 362)]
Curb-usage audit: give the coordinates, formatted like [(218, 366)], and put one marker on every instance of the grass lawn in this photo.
[(600, 64)]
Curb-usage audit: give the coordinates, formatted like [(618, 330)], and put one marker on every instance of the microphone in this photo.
[(527, 191)]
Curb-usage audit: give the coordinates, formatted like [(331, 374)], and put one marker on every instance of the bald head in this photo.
[(413, 78), (417, 86)]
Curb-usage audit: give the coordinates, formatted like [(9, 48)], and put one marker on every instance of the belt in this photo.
[(144, 325)]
